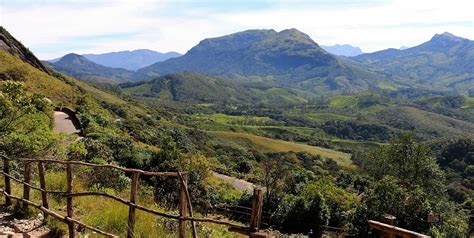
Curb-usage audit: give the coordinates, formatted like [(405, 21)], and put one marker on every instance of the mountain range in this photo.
[(130, 60), (446, 61), (291, 59)]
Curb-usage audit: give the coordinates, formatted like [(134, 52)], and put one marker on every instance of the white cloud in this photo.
[(53, 28)]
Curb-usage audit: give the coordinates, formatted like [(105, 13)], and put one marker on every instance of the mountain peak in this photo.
[(291, 31), (289, 56), (446, 36), (343, 50), (74, 58), (295, 33)]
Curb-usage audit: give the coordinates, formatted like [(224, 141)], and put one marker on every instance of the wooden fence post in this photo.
[(44, 194), (8, 189), (257, 205), (131, 209), (183, 207), (184, 182), (69, 206), (26, 188)]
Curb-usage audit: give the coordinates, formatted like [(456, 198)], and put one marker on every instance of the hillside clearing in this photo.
[(268, 145)]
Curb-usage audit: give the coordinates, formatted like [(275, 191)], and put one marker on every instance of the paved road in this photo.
[(63, 124), (238, 184)]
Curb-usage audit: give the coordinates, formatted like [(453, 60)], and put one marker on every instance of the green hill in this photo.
[(199, 88), (80, 67)]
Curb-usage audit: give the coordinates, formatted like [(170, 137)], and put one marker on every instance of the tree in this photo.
[(410, 162), (15, 104), (274, 173), (409, 185), (25, 121), (302, 214)]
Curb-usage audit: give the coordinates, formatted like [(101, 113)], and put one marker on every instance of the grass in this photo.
[(268, 145), (387, 86), (469, 103), (342, 101), (321, 117), (37, 81), (238, 120), (255, 126)]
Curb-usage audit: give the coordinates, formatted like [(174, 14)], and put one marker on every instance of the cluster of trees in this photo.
[(456, 158), (304, 192), (357, 131), (410, 184)]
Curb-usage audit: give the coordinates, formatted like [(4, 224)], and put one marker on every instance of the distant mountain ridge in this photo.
[(445, 61), (343, 50), (82, 68), (130, 60)]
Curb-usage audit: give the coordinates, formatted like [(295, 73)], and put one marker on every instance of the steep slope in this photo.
[(446, 61), (16, 48), (130, 60), (82, 68), (289, 56), (36, 80), (343, 50)]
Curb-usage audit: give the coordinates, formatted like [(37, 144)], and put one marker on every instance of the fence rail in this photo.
[(185, 206)]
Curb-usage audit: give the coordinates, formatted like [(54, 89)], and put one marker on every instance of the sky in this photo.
[(52, 28)]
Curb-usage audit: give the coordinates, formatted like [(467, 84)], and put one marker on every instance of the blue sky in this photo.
[(53, 28)]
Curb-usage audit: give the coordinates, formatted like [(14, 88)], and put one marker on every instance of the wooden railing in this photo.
[(185, 206), (391, 231)]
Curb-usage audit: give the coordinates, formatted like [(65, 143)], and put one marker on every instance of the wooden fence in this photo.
[(391, 231), (185, 206)]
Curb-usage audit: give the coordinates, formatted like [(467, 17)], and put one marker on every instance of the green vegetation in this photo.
[(267, 145), (342, 101), (409, 185), (35, 80)]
